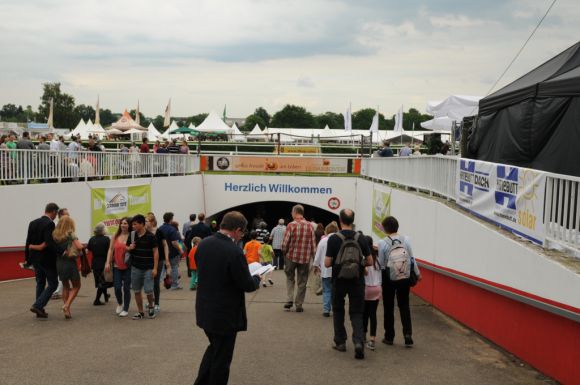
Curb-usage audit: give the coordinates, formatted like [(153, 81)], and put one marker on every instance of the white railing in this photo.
[(24, 166), (433, 174), (437, 175)]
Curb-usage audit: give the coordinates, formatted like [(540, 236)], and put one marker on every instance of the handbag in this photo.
[(108, 276), (413, 277), (128, 253), (85, 265)]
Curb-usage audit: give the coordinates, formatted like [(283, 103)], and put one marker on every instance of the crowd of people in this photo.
[(141, 257)]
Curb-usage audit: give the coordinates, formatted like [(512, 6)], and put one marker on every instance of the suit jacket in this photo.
[(40, 230), (222, 279)]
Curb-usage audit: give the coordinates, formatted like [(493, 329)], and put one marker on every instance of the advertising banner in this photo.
[(381, 209), (109, 205), (512, 197), (276, 164)]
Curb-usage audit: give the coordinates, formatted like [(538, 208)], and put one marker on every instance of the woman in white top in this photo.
[(325, 272), (373, 290)]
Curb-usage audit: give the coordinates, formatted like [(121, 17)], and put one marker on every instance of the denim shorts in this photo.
[(141, 280)]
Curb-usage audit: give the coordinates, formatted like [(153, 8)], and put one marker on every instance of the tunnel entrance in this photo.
[(271, 211)]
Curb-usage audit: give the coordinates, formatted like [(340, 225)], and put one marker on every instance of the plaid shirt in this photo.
[(278, 236), (299, 244)]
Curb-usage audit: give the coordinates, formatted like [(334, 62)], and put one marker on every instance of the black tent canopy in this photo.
[(535, 121)]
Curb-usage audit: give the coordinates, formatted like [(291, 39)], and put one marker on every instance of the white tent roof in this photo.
[(237, 135), (442, 123), (152, 133), (97, 129), (81, 130), (191, 125), (133, 131), (256, 130), (213, 123), (455, 107)]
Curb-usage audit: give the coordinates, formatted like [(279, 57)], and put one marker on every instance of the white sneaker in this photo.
[(119, 309), (157, 309), (123, 314)]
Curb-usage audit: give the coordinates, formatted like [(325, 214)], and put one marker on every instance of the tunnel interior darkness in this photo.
[(271, 211)]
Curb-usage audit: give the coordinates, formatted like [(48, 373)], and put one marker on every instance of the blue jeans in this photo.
[(44, 275), (174, 261), (327, 294), (122, 283)]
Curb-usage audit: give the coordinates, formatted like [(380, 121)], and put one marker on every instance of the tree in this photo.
[(107, 117), (10, 112), (362, 120), (263, 114), (30, 114), (158, 122), (84, 112), (251, 122), (196, 119), (64, 104), (414, 117), (333, 120), (293, 117), (143, 121)]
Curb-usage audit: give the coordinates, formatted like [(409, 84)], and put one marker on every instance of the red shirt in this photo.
[(299, 243), (144, 148)]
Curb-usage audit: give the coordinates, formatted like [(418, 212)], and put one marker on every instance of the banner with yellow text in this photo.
[(381, 209), (109, 205)]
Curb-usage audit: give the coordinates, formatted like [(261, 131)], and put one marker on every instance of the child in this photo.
[(191, 265), (252, 249), (266, 257), (373, 288)]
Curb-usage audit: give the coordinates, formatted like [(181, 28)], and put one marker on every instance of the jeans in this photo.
[(370, 314), (401, 291), (44, 275), (326, 294), (174, 261), (296, 272), (278, 259), (193, 281), (122, 283), (215, 365), (355, 289), (157, 282)]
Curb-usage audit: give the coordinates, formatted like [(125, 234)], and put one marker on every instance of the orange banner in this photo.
[(275, 164)]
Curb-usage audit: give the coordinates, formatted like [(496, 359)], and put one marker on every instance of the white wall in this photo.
[(455, 240)]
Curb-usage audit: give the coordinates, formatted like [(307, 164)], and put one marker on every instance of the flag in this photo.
[(399, 120), (97, 113), (224, 117), (375, 123), (137, 117), (51, 114), (348, 119), (167, 120)]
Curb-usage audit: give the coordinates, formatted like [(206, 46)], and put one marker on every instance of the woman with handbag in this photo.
[(66, 263), (121, 271), (99, 246)]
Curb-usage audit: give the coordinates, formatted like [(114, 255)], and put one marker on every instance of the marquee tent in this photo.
[(442, 123), (126, 123), (534, 121), (213, 123), (237, 135), (455, 107), (152, 133)]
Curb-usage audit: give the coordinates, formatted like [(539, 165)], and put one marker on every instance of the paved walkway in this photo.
[(96, 347)]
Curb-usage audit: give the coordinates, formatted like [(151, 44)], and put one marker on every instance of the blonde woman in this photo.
[(66, 263)]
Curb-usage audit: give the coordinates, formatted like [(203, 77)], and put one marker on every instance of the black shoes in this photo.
[(39, 312), (408, 341), (97, 303), (325, 314), (339, 347), (299, 309), (359, 351), (288, 305), (388, 342)]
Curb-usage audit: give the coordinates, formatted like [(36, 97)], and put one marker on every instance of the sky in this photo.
[(320, 54)]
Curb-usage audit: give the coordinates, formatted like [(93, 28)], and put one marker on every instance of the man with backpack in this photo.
[(348, 253), (399, 273)]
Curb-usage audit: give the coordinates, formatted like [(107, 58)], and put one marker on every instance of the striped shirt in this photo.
[(299, 244), (278, 236)]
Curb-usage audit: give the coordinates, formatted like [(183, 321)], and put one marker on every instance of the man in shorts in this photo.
[(142, 245)]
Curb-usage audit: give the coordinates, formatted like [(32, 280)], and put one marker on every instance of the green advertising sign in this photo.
[(381, 209), (109, 205)]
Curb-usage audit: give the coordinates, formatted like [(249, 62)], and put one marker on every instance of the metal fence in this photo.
[(433, 174), (25, 166), (437, 175)]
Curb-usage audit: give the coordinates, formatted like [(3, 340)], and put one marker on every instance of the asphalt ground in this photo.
[(280, 347)]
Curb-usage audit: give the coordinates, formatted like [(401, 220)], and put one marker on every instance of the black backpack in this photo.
[(350, 257)]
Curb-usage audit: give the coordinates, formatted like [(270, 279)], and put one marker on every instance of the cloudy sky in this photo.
[(321, 54)]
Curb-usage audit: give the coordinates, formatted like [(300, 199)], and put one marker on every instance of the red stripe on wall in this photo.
[(548, 342), (9, 268)]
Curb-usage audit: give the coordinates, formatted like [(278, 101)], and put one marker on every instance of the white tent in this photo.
[(191, 125), (78, 129), (442, 123), (152, 133), (456, 107), (172, 127), (98, 130), (237, 135), (213, 123), (256, 130)]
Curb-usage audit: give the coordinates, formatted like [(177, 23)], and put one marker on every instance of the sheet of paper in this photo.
[(257, 269)]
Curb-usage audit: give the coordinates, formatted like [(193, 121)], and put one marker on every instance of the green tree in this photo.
[(413, 116), (84, 112), (30, 114), (332, 119), (11, 113), (251, 121), (362, 120), (143, 121), (196, 119), (263, 114), (158, 122), (107, 117), (64, 104), (293, 117)]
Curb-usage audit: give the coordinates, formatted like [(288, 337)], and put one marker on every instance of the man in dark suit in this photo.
[(40, 251), (223, 278)]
